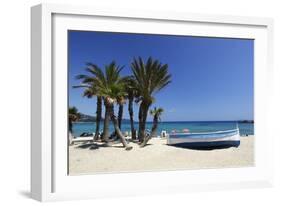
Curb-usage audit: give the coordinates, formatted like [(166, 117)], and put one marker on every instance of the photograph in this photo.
[(141, 102)]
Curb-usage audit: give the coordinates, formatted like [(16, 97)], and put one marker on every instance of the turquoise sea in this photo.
[(204, 126)]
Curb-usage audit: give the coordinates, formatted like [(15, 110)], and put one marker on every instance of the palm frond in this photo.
[(149, 77)]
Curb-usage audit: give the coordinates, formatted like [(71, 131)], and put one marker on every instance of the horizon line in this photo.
[(181, 121)]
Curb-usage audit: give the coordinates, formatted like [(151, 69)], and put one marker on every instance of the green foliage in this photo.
[(156, 112), (88, 81), (150, 77), (73, 114), (110, 84)]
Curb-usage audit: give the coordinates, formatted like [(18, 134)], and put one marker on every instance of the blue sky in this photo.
[(212, 78)]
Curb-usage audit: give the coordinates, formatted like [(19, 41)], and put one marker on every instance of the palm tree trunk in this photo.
[(120, 115), (131, 113), (105, 135), (154, 127), (117, 129), (98, 117), (144, 109), (141, 130), (70, 125), (153, 131)]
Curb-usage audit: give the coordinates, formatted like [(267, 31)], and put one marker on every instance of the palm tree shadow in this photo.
[(121, 146), (117, 146), (91, 146)]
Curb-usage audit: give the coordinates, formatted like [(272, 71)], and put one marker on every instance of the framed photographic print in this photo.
[(135, 102)]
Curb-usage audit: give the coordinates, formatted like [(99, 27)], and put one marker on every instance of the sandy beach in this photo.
[(90, 158)]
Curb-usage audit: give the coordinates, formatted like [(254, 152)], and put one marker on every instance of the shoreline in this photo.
[(157, 156)]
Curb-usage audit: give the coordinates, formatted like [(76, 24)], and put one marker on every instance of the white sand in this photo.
[(156, 156)]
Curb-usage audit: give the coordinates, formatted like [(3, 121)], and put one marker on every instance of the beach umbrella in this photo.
[(185, 130)]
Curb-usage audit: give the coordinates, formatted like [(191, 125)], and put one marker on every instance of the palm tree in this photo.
[(110, 100), (156, 113), (112, 89), (73, 116), (120, 103), (90, 91), (131, 95), (150, 77), (96, 80)]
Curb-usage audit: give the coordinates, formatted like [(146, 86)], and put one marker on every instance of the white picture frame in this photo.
[(49, 179)]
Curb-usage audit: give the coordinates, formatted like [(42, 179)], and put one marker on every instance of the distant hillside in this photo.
[(89, 118)]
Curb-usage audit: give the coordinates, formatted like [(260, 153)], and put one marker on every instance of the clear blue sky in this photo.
[(212, 78)]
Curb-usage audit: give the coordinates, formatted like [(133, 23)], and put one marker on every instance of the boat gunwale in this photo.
[(205, 133)]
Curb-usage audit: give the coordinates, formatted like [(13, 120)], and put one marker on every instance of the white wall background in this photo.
[(15, 95)]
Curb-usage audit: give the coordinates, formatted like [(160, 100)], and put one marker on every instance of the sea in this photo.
[(202, 126)]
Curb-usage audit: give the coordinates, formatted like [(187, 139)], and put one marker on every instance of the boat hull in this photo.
[(221, 139)]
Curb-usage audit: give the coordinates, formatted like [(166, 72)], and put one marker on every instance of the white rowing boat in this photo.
[(228, 138)]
